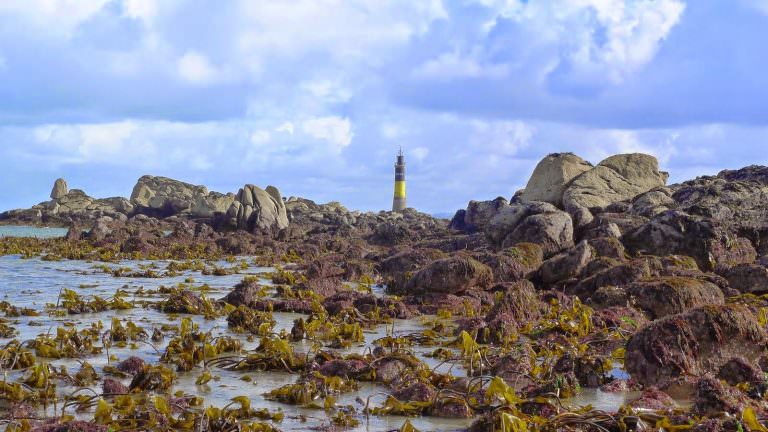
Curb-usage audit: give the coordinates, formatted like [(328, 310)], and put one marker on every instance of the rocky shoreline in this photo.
[(588, 266)]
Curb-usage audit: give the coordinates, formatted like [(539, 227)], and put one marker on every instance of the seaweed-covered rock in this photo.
[(452, 275), (748, 278), (566, 265), (132, 365), (739, 370), (694, 343), (245, 293), (712, 397), (418, 392), (675, 232), (518, 305), (671, 295), (653, 399), (351, 368), (111, 386)]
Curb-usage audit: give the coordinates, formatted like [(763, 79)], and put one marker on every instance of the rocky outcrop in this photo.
[(696, 342), (451, 275), (163, 197), (664, 296), (257, 210), (479, 213), (551, 176), (59, 189), (617, 178), (534, 222)]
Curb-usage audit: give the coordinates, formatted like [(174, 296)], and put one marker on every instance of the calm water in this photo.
[(28, 231)]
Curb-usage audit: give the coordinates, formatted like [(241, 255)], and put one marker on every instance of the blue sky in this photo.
[(316, 96)]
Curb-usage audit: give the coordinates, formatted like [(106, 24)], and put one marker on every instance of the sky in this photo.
[(316, 96)]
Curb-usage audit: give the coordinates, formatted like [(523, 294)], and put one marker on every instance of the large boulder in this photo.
[(748, 278), (480, 213), (694, 343), (617, 178), (59, 189), (534, 222), (452, 275), (551, 176), (257, 210), (162, 196), (678, 233), (567, 264), (670, 295), (736, 200)]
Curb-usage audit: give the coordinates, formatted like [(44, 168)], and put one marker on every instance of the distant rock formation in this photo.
[(254, 209), (59, 189), (163, 197), (257, 210)]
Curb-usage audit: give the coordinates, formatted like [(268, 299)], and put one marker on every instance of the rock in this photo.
[(348, 369), (551, 176), (245, 293), (111, 386), (566, 265), (617, 178), (653, 399), (132, 365), (418, 392), (738, 370), (653, 202), (695, 342), (748, 278), (451, 275), (712, 397), (735, 200), (515, 263), (518, 306), (671, 295), (479, 213), (675, 232), (162, 196), (59, 189), (257, 210), (535, 222)]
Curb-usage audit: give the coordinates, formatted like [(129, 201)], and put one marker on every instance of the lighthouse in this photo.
[(398, 202)]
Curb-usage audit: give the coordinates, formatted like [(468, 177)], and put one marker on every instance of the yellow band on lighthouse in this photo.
[(399, 189)]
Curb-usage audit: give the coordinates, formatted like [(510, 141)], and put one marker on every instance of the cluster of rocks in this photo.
[(252, 208), (616, 236)]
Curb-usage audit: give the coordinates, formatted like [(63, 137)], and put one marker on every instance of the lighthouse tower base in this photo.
[(398, 204)]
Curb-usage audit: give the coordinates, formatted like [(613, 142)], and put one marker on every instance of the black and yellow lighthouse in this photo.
[(398, 202)]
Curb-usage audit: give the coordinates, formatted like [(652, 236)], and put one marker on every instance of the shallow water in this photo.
[(34, 283), (29, 231)]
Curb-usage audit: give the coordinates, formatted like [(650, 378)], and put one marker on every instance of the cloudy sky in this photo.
[(316, 96)]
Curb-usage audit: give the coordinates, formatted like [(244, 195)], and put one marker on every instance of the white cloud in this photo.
[(348, 30), (144, 9), (52, 17), (335, 130), (327, 91), (504, 138), (286, 127), (195, 68), (452, 65), (260, 137), (593, 38)]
